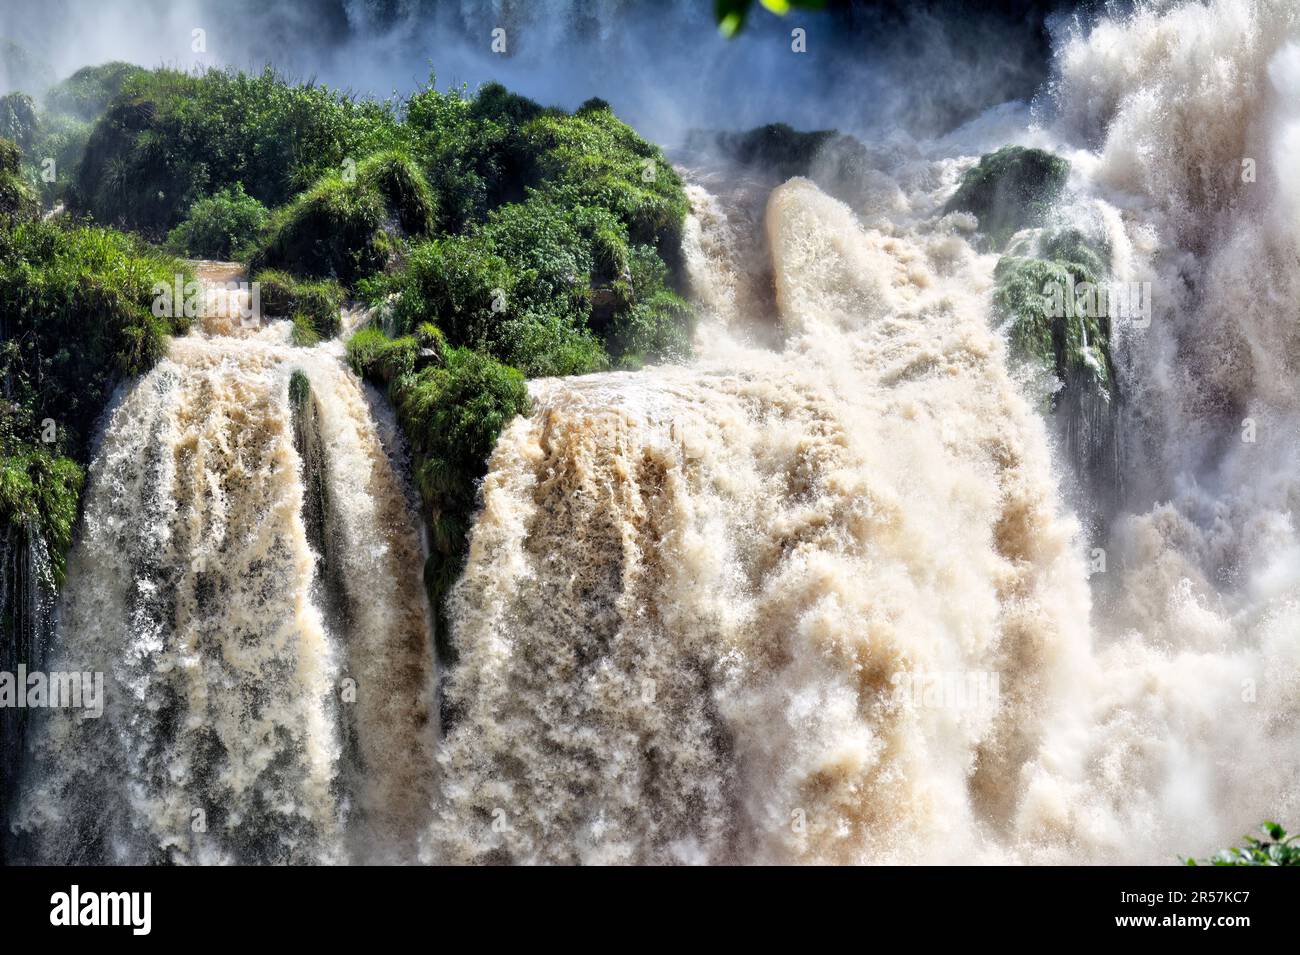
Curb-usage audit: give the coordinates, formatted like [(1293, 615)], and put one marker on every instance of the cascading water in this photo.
[(243, 723), (705, 606), (27, 592), (688, 590), (817, 596)]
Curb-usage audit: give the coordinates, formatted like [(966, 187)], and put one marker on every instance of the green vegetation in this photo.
[(59, 131), (18, 120), (453, 403), (86, 93), (218, 225), (313, 306), (40, 490), (76, 319), (1049, 289), (1010, 189), (350, 224), (170, 138), (554, 252), (16, 199), (500, 240), (1277, 848)]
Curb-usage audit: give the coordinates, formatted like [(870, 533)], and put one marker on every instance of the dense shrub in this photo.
[(219, 225), (170, 138), (75, 320), (350, 224), (594, 158), (471, 148), (481, 301), (77, 308), (547, 286)]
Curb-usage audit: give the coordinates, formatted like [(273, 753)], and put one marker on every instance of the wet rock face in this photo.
[(1010, 190)]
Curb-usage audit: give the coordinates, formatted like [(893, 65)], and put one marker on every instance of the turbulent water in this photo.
[(723, 613), (818, 596), (270, 695)]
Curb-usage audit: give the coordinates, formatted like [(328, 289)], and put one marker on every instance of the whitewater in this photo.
[(706, 605)]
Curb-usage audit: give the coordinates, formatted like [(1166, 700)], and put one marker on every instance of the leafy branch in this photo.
[(1278, 849)]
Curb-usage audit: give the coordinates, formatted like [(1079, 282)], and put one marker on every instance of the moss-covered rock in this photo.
[(777, 147), (1054, 299), (1010, 190), (1052, 291), (314, 307), (837, 162), (452, 404)]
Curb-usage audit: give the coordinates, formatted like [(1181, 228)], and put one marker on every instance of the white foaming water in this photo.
[(1193, 726), (691, 591), (244, 722), (718, 613)]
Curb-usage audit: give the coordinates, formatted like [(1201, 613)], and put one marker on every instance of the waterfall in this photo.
[(726, 612), (692, 593), (269, 664), (819, 595), (26, 603)]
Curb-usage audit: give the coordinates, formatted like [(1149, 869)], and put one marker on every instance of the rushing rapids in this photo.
[(818, 596)]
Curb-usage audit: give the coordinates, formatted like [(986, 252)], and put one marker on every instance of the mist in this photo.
[(868, 66)]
